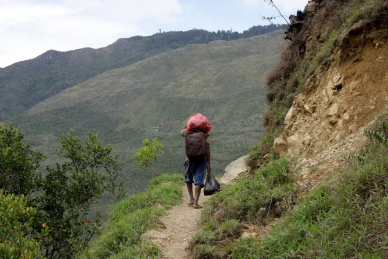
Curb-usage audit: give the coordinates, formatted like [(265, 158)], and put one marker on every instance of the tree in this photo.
[(62, 197), (148, 153), (18, 163), (15, 222), (70, 188)]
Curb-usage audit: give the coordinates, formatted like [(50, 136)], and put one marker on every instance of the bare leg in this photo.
[(190, 191), (197, 193)]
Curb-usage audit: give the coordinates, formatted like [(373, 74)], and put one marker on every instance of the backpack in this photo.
[(196, 146)]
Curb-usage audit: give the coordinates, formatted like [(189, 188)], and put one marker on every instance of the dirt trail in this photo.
[(181, 224)]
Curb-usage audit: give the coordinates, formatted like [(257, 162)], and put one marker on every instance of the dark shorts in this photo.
[(195, 171)]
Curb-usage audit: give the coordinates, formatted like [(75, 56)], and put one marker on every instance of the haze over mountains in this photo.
[(128, 92)]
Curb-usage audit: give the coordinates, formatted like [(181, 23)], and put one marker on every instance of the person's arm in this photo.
[(208, 167), (184, 132)]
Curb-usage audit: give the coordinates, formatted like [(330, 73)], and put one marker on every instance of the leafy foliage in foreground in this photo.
[(132, 217), (16, 220), (61, 198), (18, 163)]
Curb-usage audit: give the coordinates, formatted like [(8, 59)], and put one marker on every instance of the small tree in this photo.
[(18, 163), (62, 198), (70, 188), (148, 154), (15, 222)]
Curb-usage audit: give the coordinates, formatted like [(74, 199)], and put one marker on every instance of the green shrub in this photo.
[(18, 163), (15, 226), (63, 195)]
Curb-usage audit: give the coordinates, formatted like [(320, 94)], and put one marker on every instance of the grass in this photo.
[(131, 217), (263, 148), (257, 200), (343, 220)]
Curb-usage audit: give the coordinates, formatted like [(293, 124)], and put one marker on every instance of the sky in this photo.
[(29, 28)]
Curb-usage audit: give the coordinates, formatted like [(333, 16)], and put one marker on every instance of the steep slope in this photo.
[(154, 98), (318, 187), (340, 98), (25, 83)]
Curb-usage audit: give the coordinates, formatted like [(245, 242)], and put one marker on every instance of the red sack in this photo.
[(199, 122)]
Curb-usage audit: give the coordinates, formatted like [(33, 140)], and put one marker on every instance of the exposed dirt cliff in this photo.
[(340, 98)]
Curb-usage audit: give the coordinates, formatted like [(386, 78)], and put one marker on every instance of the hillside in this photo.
[(26, 83), (154, 98)]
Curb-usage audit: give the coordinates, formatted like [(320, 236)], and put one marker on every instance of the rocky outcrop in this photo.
[(234, 169), (341, 97)]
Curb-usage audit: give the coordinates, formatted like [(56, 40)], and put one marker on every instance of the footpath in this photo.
[(181, 223)]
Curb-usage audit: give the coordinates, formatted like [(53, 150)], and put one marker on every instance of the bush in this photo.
[(15, 226), (18, 163), (61, 198)]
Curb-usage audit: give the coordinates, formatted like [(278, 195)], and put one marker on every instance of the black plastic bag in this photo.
[(211, 185)]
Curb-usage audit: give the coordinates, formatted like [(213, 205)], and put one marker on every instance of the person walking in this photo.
[(197, 162)]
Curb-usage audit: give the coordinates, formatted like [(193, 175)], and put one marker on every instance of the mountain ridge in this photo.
[(25, 83)]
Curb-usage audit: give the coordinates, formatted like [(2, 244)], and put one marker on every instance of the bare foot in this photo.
[(197, 207)]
